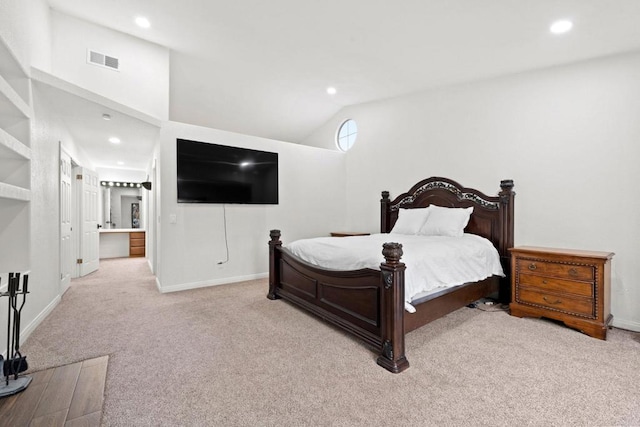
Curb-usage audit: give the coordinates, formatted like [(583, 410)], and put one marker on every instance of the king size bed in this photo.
[(370, 302)]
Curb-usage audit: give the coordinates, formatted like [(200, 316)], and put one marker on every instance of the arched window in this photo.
[(347, 133)]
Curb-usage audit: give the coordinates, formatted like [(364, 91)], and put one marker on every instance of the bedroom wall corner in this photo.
[(192, 236), (567, 136)]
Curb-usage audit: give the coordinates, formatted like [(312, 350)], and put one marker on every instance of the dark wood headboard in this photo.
[(492, 216)]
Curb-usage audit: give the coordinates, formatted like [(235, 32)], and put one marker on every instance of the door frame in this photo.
[(66, 208)]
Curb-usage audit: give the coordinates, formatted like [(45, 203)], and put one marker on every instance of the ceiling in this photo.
[(262, 67), (83, 116)]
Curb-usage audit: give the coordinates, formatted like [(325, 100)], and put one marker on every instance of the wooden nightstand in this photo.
[(571, 286), (347, 234)]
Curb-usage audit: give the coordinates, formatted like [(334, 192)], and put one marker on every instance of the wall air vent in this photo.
[(102, 60)]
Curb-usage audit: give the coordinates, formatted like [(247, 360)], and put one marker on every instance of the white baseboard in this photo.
[(24, 334), (207, 283), (629, 325)]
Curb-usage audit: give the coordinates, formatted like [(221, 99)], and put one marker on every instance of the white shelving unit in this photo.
[(15, 162)]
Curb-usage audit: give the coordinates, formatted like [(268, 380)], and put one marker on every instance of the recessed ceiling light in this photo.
[(331, 90), (106, 116), (114, 140), (560, 27), (143, 22), (121, 163)]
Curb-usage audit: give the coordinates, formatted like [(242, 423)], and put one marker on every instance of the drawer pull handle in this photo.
[(532, 266), (551, 302), (573, 272), (544, 282)]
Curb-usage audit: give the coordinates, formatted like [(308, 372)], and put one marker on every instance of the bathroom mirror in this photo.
[(122, 206)]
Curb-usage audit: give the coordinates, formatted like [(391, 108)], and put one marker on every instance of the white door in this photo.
[(66, 248), (87, 183)]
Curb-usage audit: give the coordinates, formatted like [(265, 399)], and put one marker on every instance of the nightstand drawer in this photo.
[(581, 306), (545, 284), (563, 271)]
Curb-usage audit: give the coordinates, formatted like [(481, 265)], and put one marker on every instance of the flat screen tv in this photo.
[(212, 173)]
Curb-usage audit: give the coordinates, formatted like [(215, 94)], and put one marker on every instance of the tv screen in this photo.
[(212, 173)]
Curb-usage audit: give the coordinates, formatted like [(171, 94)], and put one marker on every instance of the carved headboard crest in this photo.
[(449, 187)]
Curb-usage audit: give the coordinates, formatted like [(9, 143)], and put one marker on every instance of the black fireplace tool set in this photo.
[(15, 362)]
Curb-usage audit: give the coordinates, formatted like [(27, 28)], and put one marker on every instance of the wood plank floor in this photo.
[(70, 396)]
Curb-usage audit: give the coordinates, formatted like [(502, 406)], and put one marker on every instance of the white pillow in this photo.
[(446, 221), (410, 221)]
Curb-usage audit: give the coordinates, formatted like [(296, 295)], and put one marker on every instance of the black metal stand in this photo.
[(15, 362)]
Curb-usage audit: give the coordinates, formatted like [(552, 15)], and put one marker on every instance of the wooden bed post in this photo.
[(392, 356), (507, 196), (384, 212), (274, 271)]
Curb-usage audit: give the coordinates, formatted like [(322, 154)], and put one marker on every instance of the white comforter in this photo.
[(432, 262)]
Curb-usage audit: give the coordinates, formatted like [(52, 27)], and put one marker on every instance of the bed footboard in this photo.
[(366, 303)]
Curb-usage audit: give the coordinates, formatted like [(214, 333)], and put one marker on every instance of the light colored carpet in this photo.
[(228, 356)]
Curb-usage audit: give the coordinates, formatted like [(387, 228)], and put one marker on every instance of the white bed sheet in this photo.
[(433, 262)]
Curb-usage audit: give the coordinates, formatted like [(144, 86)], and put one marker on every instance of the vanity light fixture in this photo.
[(120, 184)]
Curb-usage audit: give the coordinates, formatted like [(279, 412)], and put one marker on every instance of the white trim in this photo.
[(629, 325), (207, 283), (24, 334)]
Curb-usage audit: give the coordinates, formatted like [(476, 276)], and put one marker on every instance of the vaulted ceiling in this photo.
[(262, 67)]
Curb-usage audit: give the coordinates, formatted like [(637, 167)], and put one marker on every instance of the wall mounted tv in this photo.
[(212, 173)]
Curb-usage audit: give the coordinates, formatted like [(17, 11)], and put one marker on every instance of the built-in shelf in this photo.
[(15, 162), (11, 96), (14, 73), (14, 113), (10, 147), (8, 191)]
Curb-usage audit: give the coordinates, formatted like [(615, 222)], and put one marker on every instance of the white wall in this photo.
[(122, 175), (568, 136), (30, 44), (142, 81), (44, 283), (312, 203), (26, 43)]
